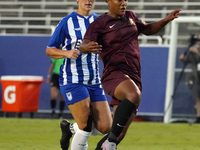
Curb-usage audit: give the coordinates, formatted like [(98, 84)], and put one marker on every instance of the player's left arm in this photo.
[(50, 72), (56, 53), (155, 27)]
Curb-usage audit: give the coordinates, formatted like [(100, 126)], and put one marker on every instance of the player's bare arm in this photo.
[(155, 27), (56, 53), (90, 46)]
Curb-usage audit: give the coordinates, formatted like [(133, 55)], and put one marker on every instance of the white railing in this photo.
[(145, 40), (25, 28), (43, 7), (49, 18), (43, 3), (137, 11)]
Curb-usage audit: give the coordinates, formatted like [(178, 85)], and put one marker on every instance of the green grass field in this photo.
[(44, 134)]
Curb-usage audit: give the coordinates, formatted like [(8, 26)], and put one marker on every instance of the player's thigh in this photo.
[(101, 110), (77, 99), (102, 116), (81, 111), (128, 89)]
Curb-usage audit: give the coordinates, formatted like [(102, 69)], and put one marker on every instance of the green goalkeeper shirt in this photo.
[(58, 63)]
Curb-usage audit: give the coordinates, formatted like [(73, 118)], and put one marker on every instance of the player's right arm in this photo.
[(90, 46), (56, 53), (57, 39)]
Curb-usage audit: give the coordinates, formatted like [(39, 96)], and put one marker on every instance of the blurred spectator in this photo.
[(192, 57), (52, 79)]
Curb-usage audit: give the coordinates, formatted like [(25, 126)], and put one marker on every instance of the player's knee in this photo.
[(134, 97), (105, 128)]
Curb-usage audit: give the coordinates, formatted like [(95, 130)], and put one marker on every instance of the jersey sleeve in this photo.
[(93, 31), (58, 36), (141, 25)]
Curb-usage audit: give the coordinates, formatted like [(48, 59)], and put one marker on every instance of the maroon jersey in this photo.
[(119, 40)]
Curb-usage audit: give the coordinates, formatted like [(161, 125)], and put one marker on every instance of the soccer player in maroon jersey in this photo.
[(114, 36), (79, 79)]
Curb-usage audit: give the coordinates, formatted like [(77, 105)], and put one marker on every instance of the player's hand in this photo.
[(48, 80), (94, 47), (174, 14), (73, 53)]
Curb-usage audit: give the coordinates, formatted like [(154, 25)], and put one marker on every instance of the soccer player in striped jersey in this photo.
[(79, 77)]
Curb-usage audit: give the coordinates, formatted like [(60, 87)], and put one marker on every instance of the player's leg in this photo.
[(123, 133), (78, 101), (128, 92), (55, 81), (101, 112), (61, 106), (83, 119), (101, 116), (68, 129), (54, 92)]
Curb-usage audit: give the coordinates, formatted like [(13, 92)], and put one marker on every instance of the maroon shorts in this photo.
[(111, 80), (114, 102)]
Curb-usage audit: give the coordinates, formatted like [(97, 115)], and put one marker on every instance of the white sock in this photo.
[(85, 147), (96, 132), (79, 141), (74, 127)]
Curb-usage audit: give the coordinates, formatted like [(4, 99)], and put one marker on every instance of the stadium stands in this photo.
[(41, 16)]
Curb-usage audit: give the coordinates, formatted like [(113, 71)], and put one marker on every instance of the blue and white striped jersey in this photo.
[(70, 32)]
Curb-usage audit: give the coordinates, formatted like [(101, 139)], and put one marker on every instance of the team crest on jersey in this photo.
[(69, 96), (131, 21)]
